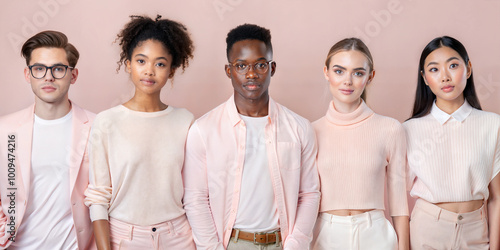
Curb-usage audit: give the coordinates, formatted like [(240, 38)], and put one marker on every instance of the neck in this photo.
[(450, 107), (253, 108), (145, 103), (343, 107), (52, 111)]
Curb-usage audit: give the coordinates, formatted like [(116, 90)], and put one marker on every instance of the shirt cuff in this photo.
[(98, 212)]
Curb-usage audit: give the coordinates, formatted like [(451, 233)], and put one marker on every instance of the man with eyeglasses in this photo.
[(250, 174), (43, 156)]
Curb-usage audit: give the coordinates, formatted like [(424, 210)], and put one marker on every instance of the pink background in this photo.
[(303, 31), (396, 31)]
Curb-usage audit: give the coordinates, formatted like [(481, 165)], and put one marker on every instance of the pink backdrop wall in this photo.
[(303, 31), (395, 30)]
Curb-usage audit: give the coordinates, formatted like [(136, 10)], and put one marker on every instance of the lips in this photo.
[(448, 88), (147, 82), (251, 86), (48, 89), (346, 91)]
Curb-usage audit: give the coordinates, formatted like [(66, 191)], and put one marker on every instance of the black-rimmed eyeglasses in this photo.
[(58, 71)]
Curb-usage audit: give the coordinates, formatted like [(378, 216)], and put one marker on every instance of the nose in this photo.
[(251, 74), (348, 81), (149, 70), (48, 75), (445, 76)]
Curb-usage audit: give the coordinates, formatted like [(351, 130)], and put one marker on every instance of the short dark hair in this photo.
[(173, 35), (424, 96), (248, 32), (50, 39)]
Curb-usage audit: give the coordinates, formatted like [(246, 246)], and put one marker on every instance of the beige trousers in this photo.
[(432, 227)]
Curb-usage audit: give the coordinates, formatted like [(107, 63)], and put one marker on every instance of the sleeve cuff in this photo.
[(98, 212)]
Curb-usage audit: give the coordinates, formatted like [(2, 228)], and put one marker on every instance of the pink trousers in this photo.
[(432, 227), (174, 234)]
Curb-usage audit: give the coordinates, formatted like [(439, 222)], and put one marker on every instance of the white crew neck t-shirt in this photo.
[(257, 211)]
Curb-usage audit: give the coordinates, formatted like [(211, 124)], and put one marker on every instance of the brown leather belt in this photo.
[(257, 238)]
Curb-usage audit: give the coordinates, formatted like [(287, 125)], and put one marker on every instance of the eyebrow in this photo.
[(449, 59), (338, 66), (161, 57), (260, 59), (55, 64)]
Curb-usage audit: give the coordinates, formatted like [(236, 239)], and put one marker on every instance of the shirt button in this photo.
[(353, 219), (154, 229), (460, 217)]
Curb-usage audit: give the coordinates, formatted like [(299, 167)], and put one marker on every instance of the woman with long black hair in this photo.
[(453, 155)]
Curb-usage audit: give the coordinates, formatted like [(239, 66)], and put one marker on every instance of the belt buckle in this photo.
[(258, 243)]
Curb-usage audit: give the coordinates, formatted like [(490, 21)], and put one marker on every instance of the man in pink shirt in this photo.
[(250, 174), (43, 157)]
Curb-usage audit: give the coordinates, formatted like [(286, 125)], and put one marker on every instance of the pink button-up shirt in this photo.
[(215, 153)]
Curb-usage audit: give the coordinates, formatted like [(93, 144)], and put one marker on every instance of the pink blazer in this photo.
[(14, 190)]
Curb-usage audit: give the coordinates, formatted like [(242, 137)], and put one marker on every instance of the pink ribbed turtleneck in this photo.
[(356, 151)]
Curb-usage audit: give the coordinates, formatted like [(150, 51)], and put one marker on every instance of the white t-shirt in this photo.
[(257, 211), (48, 220)]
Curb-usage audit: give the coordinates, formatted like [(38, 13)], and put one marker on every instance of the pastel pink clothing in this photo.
[(215, 153), (356, 152), (174, 234), (136, 161), (453, 158), (20, 124)]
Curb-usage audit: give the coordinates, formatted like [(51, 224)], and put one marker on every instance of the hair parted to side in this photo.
[(173, 35), (348, 44), (248, 32), (424, 98), (50, 39)]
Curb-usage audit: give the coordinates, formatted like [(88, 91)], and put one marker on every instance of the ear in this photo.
[(172, 73), (469, 69), (74, 75), (273, 68), (370, 77), (27, 75), (325, 72), (423, 77), (127, 66), (228, 71)]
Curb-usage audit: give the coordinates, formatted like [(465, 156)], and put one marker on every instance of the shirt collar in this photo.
[(235, 117), (460, 114)]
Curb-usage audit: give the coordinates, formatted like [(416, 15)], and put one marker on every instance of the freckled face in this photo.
[(348, 74), (150, 67), (446, 73)]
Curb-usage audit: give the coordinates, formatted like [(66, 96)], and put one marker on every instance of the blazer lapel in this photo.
[(25, 135), (80, 133)]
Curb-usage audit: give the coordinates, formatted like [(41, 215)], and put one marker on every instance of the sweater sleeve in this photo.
[(98, 193), (496, 163), (396, 172)]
